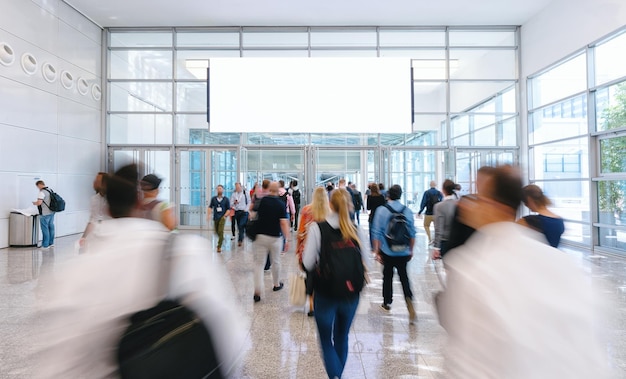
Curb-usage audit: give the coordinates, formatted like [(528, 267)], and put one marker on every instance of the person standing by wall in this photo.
[(431, 197), (46, 216), (219, 208), (239, 203)]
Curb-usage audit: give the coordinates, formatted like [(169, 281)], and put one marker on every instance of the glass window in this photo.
[(558, 121), (277, 138), (191, 97), (275, 39), (343, 53), (560, 160), (611, 107), (191, 129), (276, 53), (460, 130), (140, 64), (426, 64), (482, 38), (274, 161), (508, 137), (140, 39), (415, 38), (192, 64), (577, 232), (613, 155), (508, 101), (485, 136), (348, 37), (429, 97), (337, 139), (482, 64), (564, 80), (611, 199), (212, 39), (465, 96), (140, 129), (609, 56), (569, 199), (140, 97), (428, 122)]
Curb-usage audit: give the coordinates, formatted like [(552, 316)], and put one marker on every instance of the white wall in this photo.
[(566, 26), (46, 130)]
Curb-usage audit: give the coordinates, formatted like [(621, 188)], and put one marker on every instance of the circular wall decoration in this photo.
[(49, 72), (7, 56), (96, 92), (83, 86), (67, 80), (29, 63)]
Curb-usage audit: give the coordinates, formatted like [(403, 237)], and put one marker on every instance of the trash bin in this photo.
[(23, 230)]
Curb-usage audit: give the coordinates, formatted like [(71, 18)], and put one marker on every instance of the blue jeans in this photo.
[(241, 218), (333, 318), (47, 229)]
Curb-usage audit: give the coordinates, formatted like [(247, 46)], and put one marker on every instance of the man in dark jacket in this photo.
[(430, 198)]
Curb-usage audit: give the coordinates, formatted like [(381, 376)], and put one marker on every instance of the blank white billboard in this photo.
[(310, 95)]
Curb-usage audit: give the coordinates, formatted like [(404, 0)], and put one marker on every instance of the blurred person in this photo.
[(46, 215), (98, 206), (89, 309), (457, 191), (374, 200), (459, 232), (219, 208), (357, 201), (545, 221), (431, 197), (254, 188), (261, 192), (515, 307), (272, 220), (296, 195), (153, 208), (393, 257), (314, 212), (381, 189), (444, 217), (334, 313), (290, 209), (239, 203)]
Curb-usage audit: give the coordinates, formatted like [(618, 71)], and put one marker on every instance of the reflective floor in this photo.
[(282, 341)]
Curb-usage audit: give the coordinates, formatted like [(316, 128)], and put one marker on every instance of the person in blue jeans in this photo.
[(334, 315), (46, 216)]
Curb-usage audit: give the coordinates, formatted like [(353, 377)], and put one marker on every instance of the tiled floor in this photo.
[(282, 342)]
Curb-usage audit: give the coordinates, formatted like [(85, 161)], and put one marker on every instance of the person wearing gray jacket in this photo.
[(444, 213)]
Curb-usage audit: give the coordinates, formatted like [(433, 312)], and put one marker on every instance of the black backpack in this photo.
[(57, 204), (397, 234), (340, 272), (432, 200), (296, 196), (167, 341)]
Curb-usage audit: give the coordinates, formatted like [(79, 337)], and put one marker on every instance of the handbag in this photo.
[(297, 289), (251, 228), (168, 340)]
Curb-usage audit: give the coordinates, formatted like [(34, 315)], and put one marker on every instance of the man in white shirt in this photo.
[(515, 307), (239, 203), (89, 308)]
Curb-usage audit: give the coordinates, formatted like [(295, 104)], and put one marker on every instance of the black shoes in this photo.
[(311, 314), (257, 298), (280, 287)]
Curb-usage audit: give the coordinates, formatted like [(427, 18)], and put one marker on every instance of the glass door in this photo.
[(413, 170), (149, 161), (199, 173), (274, 164), (468, 163)]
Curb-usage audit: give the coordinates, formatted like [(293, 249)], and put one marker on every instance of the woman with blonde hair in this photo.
[(314, 212), (545, 221), (336, 250)]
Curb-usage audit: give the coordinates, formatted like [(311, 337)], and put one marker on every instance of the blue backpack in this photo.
[(57, 204)]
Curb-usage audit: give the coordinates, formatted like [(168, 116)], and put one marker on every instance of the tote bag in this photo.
[(297, 289)]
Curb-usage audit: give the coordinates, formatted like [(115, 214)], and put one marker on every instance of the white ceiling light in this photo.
[(67, 79), (7, 56), (29, 63), (96, 92), (49, 72), (83, 86)]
